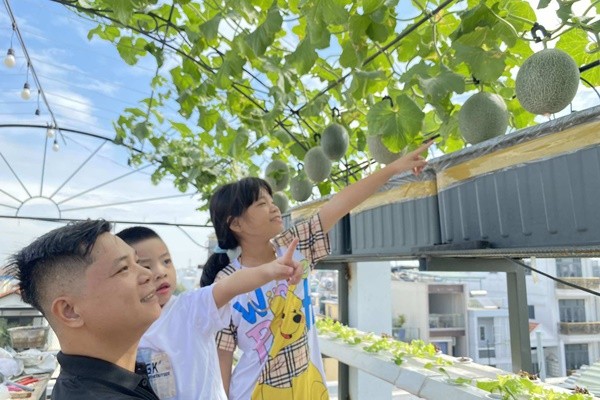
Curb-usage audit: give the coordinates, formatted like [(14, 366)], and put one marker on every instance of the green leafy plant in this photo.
[(508, 387), (248, 78)]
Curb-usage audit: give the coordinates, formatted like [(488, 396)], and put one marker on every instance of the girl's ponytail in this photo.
[(216, 262)]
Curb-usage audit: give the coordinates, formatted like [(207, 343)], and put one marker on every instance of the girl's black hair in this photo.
[(229, 201)]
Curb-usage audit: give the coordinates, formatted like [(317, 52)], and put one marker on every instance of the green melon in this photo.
[(547, 81), (379, 151), (281, 201), (334, 141), (316, 164), (278, 175), (482, 117), (301, 188)]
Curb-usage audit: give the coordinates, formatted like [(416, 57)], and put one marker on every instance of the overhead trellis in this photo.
[(256, 80)]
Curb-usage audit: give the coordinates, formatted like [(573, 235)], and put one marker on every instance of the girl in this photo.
[(274, 324)]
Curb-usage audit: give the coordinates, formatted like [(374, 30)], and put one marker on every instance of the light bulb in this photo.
[(37, 111), (26, 92), (10, 60), (55, 146), (50, 132)]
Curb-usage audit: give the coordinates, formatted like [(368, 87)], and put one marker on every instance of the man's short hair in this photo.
[(54, 259), (136, 234)]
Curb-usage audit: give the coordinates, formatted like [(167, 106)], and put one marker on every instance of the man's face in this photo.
[(154, 255), (118, 296)]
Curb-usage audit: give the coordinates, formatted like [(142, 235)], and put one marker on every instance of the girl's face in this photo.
[(261, 219)]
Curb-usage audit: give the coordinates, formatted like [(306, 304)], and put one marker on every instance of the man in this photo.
[(98, 301)]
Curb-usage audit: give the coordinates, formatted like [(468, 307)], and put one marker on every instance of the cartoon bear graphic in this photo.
[(291, 375)]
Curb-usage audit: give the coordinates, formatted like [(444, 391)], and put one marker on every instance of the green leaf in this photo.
[(574, 43), (207, 118), (358, 25), (240, 143), (486, 66), (543, 4), (564, 11), (303, 58), (141, 131), (377, 32), (348, 58), (332, 11), (210, 29), (231, 68), (371, 5), (317, 32), (264, 35), (410, 114), (109, 33), (365, 82), (398, 127), (121, 10), (440, 86)]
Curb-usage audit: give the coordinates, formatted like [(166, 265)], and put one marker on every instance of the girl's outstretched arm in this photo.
[(351, 196)]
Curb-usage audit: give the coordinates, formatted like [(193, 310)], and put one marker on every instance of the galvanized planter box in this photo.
[(306, 210), (537, 188), (400, 217)]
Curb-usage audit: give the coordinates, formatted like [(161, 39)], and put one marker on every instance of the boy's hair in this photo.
[(136, 234), (229, 201), (55, 259)]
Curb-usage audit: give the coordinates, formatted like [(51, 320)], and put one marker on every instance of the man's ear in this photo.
[(63, 310), (234, 225)]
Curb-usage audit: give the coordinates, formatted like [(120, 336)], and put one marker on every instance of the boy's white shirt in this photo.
[(179, 348)]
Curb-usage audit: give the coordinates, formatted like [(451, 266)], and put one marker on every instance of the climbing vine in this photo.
[(255, 80)]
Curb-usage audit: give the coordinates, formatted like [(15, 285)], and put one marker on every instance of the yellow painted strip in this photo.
[(546, 146), (408, 191), (307, 211)]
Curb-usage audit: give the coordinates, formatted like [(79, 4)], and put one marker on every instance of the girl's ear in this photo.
[(234, 224)]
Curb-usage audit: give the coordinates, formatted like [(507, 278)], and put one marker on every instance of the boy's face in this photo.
[(154, 255), (118, 297)]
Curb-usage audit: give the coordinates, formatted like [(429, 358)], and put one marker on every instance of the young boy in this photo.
[(98, 301), (179, 349)]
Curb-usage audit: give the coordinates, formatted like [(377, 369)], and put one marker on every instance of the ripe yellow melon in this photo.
[(547, 81)]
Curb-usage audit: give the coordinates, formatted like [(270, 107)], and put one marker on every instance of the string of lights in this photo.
[(10, 61)]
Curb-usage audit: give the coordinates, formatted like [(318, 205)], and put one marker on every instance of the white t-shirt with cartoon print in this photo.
[(274, 327), (179, 348)]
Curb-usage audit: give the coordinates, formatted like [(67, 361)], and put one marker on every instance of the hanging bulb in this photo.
[(50, 133), (37, 111), (10, 60), (26, 92), (55, 146)]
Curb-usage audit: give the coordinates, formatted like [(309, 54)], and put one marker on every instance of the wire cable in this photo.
[(554, 278)]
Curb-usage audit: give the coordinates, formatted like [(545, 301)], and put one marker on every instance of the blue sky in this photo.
[(87, 86)]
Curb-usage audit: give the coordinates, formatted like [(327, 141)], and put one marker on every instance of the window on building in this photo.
[(576, 355), (482, 333), (531, 311), (572, 310), (487, 353), (568, 267)]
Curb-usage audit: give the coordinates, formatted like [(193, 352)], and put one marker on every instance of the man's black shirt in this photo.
[(90, 378)]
